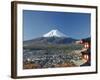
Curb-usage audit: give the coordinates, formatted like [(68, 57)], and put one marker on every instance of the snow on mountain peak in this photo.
[(54, 33)]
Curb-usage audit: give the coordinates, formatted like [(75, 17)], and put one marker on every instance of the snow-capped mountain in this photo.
[(53, 37), (54, 33)]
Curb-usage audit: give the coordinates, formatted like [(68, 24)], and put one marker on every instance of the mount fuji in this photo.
[(53, 37), (54, 33)]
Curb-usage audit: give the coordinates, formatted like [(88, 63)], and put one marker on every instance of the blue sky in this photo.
[(37, 23)]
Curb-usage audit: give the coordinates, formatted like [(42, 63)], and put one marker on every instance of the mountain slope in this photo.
[(50, 40)]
